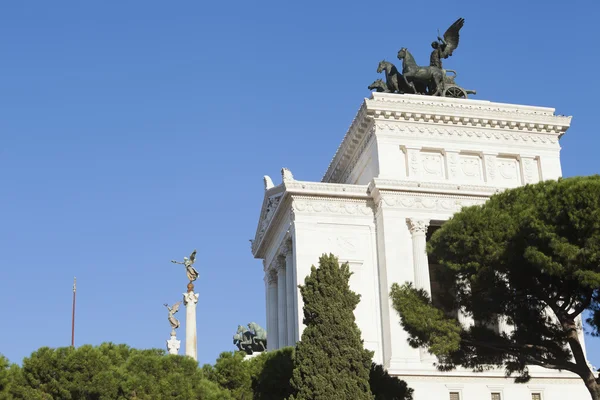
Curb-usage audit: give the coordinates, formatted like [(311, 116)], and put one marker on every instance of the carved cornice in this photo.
[(358, 129), (432, 187), (504, 135), (329, 189), (474, 112), (428, 116)]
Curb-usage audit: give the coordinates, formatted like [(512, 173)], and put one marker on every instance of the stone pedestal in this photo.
[(173, 344), (190, 299)]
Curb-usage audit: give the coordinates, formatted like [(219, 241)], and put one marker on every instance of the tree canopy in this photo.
[(330, 360), (109, 372), (530, 258)]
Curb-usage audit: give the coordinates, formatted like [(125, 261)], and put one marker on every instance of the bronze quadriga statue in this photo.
[(430, 80)]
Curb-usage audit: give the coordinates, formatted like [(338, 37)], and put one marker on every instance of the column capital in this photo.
[(286, 248), (417, 226), (271, 276), (190, 297), (280, 264)]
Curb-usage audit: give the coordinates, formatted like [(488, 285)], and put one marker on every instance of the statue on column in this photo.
[(173, 344), (172, 311), (191, 272)]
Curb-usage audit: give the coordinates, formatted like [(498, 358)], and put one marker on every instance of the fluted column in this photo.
[(190, 299), (503, 326), (281, 304), (466, 320), (272, 324), (418, 229), (290, 291)]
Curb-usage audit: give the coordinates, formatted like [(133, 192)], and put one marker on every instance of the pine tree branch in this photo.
[(515, 349), (566, 366)]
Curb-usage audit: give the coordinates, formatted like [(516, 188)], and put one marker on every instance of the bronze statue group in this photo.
[(431, 80)]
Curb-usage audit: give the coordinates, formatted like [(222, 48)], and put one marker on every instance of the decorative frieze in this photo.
[(348, 207), (453, 132), (428, 202)]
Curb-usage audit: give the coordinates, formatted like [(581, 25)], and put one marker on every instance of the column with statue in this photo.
[(173, 343), (190, 299)]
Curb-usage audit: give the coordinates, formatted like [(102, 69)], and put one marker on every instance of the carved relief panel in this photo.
[(471, 168), (509, 172), (432, 166)]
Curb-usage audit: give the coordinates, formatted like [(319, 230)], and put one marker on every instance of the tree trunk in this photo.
[(583, 369), (593, 387)]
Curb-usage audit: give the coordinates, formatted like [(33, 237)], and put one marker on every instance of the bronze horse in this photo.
[(432, 77)]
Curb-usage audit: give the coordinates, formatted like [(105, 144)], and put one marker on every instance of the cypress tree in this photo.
[(330, 361)]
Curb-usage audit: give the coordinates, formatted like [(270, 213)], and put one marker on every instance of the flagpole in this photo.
[(73, 315)]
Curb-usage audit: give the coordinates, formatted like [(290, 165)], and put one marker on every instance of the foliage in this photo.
[(386, 387), (5, 376), (272, 372), (233, 373), (268, 375), (110, 372), (330, 361), (529, 257)]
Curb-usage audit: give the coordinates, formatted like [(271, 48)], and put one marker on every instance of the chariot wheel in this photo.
[(455, 92)]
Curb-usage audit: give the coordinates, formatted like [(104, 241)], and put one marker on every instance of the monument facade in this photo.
[(407, 164)]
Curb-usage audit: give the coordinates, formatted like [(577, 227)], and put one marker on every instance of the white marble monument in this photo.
[(190, 299), (406, 164)]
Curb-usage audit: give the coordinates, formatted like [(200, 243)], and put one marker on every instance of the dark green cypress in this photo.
[(330, 361)]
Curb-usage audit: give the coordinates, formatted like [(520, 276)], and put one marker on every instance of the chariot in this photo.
[(451, 89)]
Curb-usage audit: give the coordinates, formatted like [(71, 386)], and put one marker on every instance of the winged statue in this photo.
[(172, 311), (191, 272), (444, 47)]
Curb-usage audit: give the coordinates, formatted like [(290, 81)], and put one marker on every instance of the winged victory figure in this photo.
[(191, 272), (172, 311), (444, 47)]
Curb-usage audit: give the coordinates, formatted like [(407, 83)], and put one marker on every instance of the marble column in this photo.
[(503, 326), (418, 229), (272, 324), (466, 320), (281, 303), (190, 299), (290, 292)]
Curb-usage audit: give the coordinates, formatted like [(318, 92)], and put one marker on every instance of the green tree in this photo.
[(386, 387), (530, 256), (330, 360), (271, 374), (110, 372), (5, 376), (233, 373)]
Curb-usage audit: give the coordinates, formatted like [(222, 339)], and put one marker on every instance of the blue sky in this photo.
[(133, 132)]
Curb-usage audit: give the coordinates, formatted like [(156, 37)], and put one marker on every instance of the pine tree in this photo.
[(529, 257), (330, 361)]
